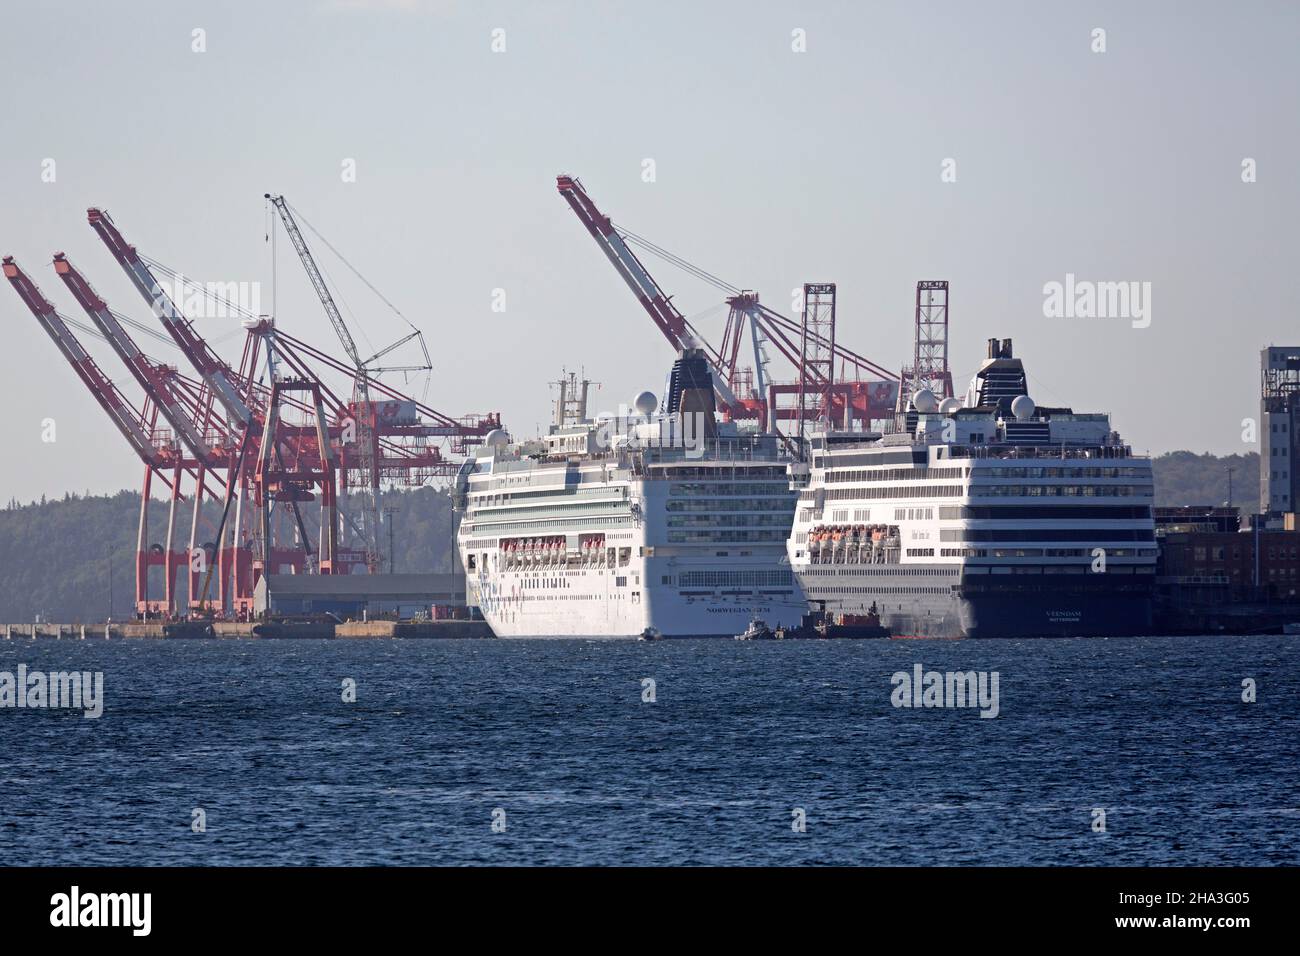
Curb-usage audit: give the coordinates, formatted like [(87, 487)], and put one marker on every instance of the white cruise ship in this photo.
[(988, 517), (630, 526)]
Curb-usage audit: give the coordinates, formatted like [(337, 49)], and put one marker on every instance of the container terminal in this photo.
[(291, 444)]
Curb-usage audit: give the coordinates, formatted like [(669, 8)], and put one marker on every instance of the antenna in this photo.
[(571, 404)]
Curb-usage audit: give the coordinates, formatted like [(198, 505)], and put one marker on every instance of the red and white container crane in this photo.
[(155, 447), (864, 391), (211, 368), (153, 378)]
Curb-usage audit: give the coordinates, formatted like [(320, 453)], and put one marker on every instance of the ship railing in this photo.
[(1013, 452)]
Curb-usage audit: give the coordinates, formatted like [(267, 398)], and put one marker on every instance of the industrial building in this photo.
[(357, 596), (1279, 403), (1210, 576), (1194, 518)]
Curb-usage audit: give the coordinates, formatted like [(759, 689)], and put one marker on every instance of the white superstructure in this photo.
[(610, 527), (988, 516)]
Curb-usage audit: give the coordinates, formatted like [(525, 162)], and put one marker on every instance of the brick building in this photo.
[(1255, 565)]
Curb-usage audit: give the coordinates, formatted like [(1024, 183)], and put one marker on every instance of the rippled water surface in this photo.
[(556, 734)]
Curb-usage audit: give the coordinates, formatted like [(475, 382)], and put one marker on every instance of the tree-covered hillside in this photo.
[(1185, 478)]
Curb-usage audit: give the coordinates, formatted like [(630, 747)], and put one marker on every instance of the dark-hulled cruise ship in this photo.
[(984, 517)]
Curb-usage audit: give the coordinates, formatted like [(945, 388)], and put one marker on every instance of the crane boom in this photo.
[(215, 372), (152, 378), (317, 280), (778, 328), (129, 421), (665, 315), (363, 412), (661, 309)]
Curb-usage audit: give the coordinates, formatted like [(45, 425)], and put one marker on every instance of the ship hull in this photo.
[(912, 603), (591, 604), (1061, 606)]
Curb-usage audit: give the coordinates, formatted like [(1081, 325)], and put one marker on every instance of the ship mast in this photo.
[(571, 402)]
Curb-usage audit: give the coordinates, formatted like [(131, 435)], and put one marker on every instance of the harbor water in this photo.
[(687, 752)]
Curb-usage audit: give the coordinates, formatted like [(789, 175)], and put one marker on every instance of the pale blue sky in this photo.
[(772, 168)]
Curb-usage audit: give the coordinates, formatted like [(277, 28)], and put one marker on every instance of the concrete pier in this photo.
[(232, 630), (259, 630), (414, 630), (310, 631)]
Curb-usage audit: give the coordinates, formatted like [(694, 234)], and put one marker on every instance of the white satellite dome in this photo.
[(497, 438), (925, 402), (949, 405), (1022, 406), (645, 403)]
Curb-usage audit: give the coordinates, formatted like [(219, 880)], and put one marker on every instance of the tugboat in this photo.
[(651, 633), (819, 625), (758, 631)]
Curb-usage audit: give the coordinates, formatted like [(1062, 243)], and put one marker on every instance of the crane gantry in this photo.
[(271, 445), (363, 433)]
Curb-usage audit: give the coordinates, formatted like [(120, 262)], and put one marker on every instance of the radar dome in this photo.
[(925, 402), (645, 403), (949, 405), (497, 438), (1022, 406)]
